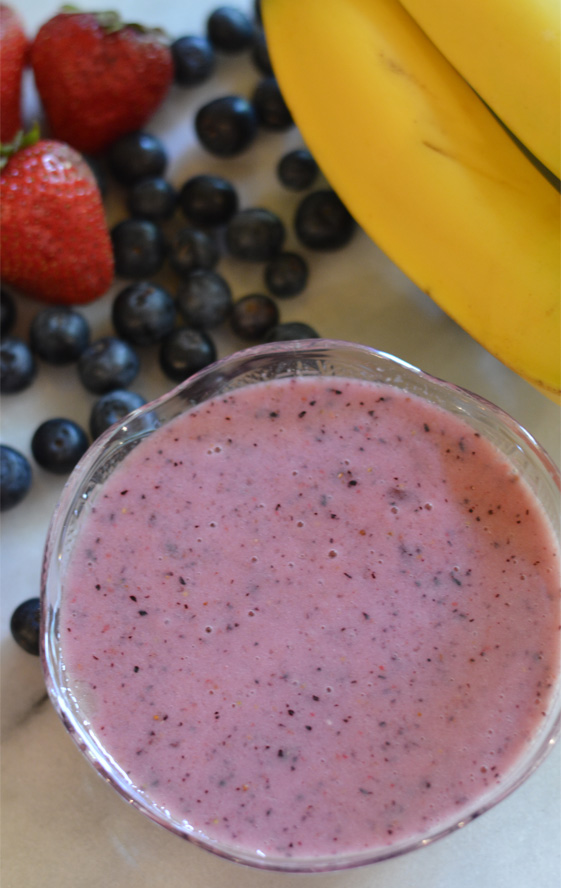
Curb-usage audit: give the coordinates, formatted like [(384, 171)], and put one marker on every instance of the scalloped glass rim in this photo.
[(310, 357)]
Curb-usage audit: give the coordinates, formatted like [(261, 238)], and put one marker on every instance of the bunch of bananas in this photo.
[(406, 106)]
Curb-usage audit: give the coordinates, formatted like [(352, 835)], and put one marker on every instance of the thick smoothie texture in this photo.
[(313, 616)]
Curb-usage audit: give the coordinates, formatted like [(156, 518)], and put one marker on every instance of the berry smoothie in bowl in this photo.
[(304, 610)]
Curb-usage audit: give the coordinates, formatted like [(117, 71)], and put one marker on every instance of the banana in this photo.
[(510, 54), (427, 171)]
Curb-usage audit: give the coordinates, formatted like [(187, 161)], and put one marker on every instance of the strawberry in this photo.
[(98, 78), (54, 240), (13, 52)]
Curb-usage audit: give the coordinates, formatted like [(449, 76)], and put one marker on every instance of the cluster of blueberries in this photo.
[(144, 313)]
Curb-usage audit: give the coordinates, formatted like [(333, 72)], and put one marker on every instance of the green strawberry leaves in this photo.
[(21, 140)]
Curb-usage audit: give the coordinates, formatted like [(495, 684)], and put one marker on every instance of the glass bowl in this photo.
[(311, 358)]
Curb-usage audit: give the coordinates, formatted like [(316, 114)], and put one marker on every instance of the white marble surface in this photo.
[(61, 825)]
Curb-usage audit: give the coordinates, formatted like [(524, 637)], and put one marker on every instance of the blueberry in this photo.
[(17, 365), (193, 60), (270, 108), (255, 235), (208, 201), (152, 198), (7, 312), (59, 334), (184, 351), (260, 53), (57, 445), (143, 313), (286, 274), (15, 477), (108, 363), (229, 29), (323, 222), (204, 299), (226, 126), (253, 316), (135, 156), (111, 408), (139, 248), (297, 169), (191, 248), (25, 625), (291, 330)]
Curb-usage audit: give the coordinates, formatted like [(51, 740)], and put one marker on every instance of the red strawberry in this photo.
[(13, 51), (54, 240), (97, 77)]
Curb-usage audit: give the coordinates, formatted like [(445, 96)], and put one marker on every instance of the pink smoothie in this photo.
[(314, 616)]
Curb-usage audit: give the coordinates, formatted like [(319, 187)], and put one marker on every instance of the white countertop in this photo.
[(61, 825)]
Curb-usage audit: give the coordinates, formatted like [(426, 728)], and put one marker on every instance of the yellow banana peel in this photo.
[(427, 171), (510, 54)]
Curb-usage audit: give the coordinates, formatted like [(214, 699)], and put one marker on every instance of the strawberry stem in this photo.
[(21, 140), (110, 20)]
